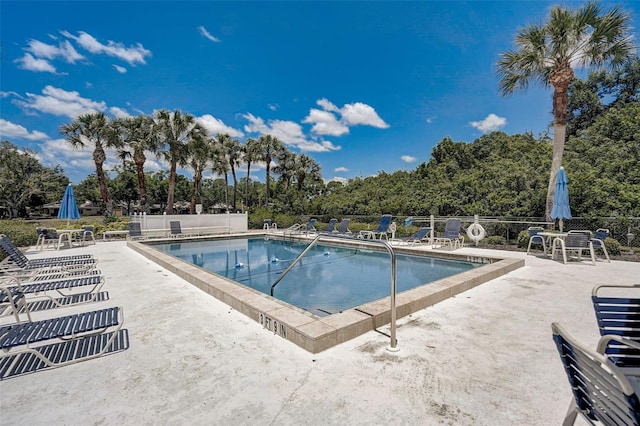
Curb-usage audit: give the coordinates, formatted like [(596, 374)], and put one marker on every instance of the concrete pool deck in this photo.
[(483, 357)]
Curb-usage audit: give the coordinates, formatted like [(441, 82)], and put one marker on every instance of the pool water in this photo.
[(328, 279)]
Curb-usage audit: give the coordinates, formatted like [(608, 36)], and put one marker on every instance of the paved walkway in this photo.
[(484, 357)]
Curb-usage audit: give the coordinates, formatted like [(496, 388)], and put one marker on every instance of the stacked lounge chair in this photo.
[(44, 285)]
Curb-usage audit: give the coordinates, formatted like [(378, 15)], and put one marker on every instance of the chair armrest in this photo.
[(604, 341)]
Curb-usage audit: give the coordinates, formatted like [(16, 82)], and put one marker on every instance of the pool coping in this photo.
[(316, 334)]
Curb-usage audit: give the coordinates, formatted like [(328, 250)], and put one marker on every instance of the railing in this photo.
[(394, 342)]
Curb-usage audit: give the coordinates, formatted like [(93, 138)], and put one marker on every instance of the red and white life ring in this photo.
[(475, 232)]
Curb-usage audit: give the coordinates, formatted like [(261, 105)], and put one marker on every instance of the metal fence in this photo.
[(626, 230)]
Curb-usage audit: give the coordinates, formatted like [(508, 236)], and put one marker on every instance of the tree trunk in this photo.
[(144, 199), (266, 194), (172, 187), (235, 184), (197, 178), (559, 131), (98, 158), (246, 192), (560, 80)]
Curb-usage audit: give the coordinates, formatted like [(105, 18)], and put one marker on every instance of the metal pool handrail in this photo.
[(394, 342)]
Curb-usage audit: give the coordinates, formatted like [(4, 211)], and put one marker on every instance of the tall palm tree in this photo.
[(547, 54), (94, 129), (138, 135), (199, 156), (233, 154), (269, 148), (176, 130), (250, 153)]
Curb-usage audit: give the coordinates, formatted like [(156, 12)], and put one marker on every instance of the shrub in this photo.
[(614, 247), (523, 239), (496, 240)]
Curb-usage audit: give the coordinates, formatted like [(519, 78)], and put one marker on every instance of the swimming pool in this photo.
[(328, 279), (308, 330)]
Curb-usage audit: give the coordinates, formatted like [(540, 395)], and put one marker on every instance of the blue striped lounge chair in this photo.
[(381, 231), (416, 238), (56, 342), (451, 236)]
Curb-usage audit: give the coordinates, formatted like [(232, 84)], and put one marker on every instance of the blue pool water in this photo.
[(328, 279)]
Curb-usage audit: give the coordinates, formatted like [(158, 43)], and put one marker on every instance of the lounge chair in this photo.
[(176, 229), (18, 262), (575, 241), (381, 231), (135, 231), (534, 238), (452, 236), (618, 313), (598, 240), (343, 229), (300, 228), (601, 390), (331, 227), (64, 340), (416, 238), (72, 291)]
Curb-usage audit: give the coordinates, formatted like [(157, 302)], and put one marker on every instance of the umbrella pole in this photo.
[(560, 223)]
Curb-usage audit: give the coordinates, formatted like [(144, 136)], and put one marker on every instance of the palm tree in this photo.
[(546, 54), (269, 148), (221, 167), (233, 152), (138, 135), (94, 129), (250, 153), (199, 155), (306, 167), (176, 130), (286, 166)]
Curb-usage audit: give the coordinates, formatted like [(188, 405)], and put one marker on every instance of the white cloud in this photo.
[(12, 130), (326, 122), (215, 126), (489, 124), (29, 63), (273, 107), (430, 120), (340, 170), (359, 113), (288, 132), (121, 70), (119, 112), (203, 32), (60, 102), (64, 50), (408, 159), (131, 55), (327, 106)]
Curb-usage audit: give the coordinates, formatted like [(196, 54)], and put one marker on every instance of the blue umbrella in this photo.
[(68, 206), (561, 209)]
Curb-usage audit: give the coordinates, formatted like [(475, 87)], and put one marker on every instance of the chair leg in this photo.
[(570, 417)]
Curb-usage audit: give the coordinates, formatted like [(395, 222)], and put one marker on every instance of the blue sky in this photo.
[(359, 86)]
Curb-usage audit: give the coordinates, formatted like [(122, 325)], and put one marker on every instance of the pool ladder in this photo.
[(393, 347)]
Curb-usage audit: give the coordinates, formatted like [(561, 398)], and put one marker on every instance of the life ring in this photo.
[(475, 232), (392, 227)]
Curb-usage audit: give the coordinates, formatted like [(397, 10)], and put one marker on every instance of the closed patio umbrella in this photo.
[(68, 206), (561, 209)]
